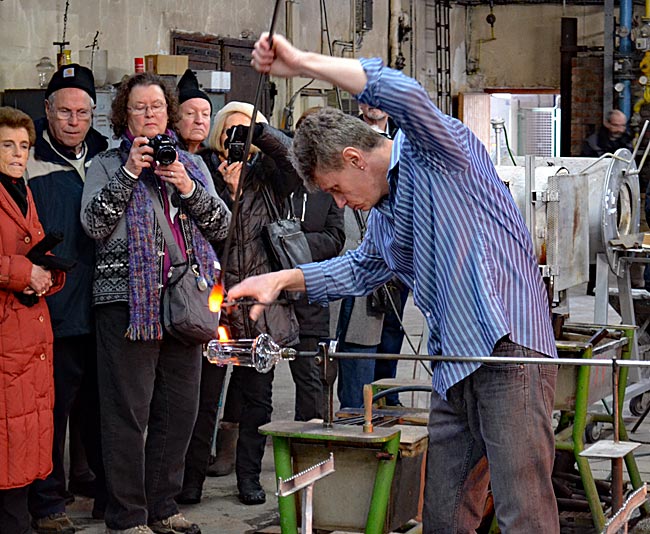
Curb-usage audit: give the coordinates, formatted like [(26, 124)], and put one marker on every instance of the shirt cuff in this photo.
[(129, 173), (314, 282), (188, 195)]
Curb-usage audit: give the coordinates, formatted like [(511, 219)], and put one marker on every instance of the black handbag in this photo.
[(185, 310), (285, 241)]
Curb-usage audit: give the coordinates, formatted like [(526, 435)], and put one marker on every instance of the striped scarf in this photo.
[(145, 265)]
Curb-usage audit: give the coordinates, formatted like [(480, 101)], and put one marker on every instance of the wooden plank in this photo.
[(474, 111)]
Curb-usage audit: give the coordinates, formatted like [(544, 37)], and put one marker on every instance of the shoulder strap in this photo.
[(361, 222), (270, 205), (172, 245)]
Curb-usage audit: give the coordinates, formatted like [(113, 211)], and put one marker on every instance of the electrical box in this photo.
[(363, 15)]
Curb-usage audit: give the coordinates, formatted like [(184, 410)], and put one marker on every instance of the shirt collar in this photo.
[(386, 205)]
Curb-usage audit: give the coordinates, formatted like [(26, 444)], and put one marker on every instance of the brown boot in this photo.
[(224, 464)]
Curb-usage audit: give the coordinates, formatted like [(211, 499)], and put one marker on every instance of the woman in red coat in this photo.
[(26, 380)]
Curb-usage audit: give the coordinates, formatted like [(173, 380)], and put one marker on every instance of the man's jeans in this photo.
[(495, 428)]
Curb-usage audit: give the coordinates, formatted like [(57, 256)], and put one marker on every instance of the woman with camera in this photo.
[(248, 401), (148, 379)]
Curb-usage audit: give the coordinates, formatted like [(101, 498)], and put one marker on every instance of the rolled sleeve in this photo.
[(373, 68), (315, 282)]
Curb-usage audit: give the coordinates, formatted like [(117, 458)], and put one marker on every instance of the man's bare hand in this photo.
[(279, 58), (265, 288), (261, 288)]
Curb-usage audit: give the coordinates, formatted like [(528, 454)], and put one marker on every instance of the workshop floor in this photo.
[(221, 513)]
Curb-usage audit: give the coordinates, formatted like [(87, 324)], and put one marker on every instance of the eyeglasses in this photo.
[(65, 114), (156, 108)]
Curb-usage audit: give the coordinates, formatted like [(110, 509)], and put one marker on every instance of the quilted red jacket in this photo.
[(26, 380)]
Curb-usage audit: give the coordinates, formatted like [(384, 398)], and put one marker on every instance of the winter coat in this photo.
[(26, 375), (57, 187), (600, 143), (248, 255), (322, 223)]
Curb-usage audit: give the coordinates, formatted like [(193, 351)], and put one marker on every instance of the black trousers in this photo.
[(198, 452), (306, 376), (75, 377), (256, 392), (14, 516), (147, 388)]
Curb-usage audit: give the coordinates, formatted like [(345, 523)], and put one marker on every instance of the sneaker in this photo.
[(54, 524), (175, 524), (140, 529)]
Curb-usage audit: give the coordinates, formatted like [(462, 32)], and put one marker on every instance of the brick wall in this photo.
[(587, 99)]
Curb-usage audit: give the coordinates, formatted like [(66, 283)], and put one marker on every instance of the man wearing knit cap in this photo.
[(65, 145), (195, 111)]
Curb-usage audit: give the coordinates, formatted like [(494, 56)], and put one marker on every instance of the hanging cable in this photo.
[(505, 135)]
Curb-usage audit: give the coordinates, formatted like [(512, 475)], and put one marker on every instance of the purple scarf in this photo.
[(144, 241)]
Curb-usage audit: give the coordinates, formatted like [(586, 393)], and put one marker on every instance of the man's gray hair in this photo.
[(52, 97), (321, 138)]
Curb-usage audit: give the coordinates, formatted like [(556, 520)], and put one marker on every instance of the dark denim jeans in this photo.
[(353, 374), (392, 337), (149, 394), (495, 428)]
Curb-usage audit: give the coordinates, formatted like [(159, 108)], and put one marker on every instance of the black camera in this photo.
[(236, 142), (235, 152), (164, 149)]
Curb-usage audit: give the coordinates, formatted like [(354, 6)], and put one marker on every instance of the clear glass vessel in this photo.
[(262, 353)]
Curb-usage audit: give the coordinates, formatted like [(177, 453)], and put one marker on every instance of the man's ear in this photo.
[(354, 157)]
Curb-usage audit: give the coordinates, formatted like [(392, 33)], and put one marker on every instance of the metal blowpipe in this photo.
[(262, 353)]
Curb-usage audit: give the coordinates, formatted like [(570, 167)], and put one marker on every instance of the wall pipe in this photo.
[(393, 31), (625, 49)]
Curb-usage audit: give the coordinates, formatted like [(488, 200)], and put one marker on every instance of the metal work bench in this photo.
[(377, 478)]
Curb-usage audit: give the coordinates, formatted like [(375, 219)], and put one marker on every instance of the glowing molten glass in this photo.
[(216, 298)]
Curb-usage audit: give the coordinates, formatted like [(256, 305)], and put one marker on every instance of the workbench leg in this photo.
[(383, 483), (579, 424), (630, 460), (284, 470)]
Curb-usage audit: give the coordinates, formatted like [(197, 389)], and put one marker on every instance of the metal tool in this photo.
[(305, 481), (618, 523)]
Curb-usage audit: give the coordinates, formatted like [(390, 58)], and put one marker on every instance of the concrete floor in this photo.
[(221, 513)]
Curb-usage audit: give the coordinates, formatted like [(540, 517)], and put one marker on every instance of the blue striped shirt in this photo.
[(450, 230)]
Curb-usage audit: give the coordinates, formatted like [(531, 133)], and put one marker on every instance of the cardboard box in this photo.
[(164, 64)]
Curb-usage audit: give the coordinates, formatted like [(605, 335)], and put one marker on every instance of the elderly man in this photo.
[(193, 126), (469, 260), (611, 136), (65, 145)]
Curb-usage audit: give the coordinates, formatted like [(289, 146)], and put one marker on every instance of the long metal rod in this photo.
[(244, 169), (593, 362)]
